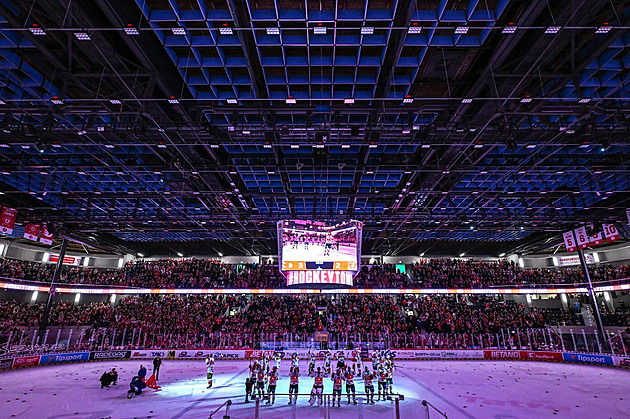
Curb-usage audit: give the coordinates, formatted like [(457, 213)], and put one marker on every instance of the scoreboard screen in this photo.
[(307, 245)]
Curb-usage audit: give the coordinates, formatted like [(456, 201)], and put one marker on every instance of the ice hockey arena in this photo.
[(315, 209)]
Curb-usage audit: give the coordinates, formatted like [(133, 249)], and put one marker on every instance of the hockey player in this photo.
[(209, 369), (293, 384), (374, 361), (359, 361), (278, 357), (260, 383), (253, 369), (271, 389), (349, 377), (327, 361), (265, 363), (341, 362), (368, 377), (318, 387), (382, 383), (295, 360), (389, 368), (311, 363), (337, 381)]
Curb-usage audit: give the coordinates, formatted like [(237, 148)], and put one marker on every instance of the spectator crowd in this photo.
[(205, 273)]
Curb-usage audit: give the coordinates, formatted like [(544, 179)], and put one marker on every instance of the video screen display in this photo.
[(314, 245)]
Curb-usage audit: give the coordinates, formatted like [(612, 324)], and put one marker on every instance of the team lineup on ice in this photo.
[(263, 378)]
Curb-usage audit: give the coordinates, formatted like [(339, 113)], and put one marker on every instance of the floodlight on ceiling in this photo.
[(605, 28), (319, 30), (82, 36), (585, 100), (173, 101), (232, 101), (467, 100), (267, 145), (345, 146), (414, 29), (130, 30), (115, 102), (553, 29), (461, 30), (178, 31), (407, 99), (367, 30), (2, 102), (35, 30), (273, 31), (290, 100), (348, 101), (526, 99), (56, 101), (226, 30), (510, 29)]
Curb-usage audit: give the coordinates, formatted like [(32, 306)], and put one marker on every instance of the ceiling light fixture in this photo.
[(178, 31), (290, 100), (273, 31), (319, 30), (461, 30), (407, 99), (82, 36), (35, 30), (415, 29), (367, 30), (510, 29), (130, 30), (224, 30), (348, 101), (605, 28), (553, 29)]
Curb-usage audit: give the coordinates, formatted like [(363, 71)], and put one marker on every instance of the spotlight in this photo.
[(319, 30), (604, 28), (461, 30), (224, 30), (35, 30), (510, 29), (82, 36), (178, 31), (415, 29), (553, 29), (407, 99), (367, 30), (130, 30), (273, 31)]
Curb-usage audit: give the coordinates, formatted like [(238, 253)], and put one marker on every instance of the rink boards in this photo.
[(350, 355)]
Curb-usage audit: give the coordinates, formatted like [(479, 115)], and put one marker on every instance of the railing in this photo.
[(57, 339), (438, 411)]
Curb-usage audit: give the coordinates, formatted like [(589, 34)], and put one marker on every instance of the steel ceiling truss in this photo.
[(185, 135)]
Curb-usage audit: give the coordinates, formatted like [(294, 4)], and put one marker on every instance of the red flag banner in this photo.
[(569, 241), (31, 232), (596, 239), (46, 236), (7, 220), (581, 237), (611, 232)]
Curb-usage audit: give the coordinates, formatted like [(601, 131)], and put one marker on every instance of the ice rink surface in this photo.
[(462, 389)]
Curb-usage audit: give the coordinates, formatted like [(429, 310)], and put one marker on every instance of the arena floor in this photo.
[(462, 389)]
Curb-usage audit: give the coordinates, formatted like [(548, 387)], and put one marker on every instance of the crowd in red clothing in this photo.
[(464, 273), (205, 273)]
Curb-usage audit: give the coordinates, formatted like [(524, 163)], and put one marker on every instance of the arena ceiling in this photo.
[(446, 126)]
